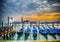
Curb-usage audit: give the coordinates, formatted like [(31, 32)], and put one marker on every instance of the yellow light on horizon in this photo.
[(53, 16)]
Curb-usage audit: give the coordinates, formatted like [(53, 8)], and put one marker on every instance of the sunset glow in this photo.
[(53, 16)]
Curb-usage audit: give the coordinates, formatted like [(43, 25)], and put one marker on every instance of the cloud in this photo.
[(56, 4), (28, 6), (44, 1), (17, 8), (32, 6)]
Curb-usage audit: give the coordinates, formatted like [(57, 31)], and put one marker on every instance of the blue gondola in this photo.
[(58, 31), (34, 31), (42, 30), (51, 30), (27, 31)]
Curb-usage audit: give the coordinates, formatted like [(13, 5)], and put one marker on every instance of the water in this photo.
[(16, 36)]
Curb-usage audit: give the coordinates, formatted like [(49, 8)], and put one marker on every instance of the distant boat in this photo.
[(34, 31), (51, 30), (42, 30)]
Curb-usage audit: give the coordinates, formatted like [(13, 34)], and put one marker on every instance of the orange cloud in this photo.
[(47, 16)]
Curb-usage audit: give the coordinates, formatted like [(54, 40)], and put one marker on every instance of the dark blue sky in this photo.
[(16, 8)]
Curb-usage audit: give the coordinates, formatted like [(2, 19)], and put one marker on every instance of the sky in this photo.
[(15, 8)]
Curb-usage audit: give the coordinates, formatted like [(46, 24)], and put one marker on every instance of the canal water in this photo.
[(39, 36)]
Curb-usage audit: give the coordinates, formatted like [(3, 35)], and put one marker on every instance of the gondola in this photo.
[(58, 31), (34, 31), (20, 31), (42, 30), (20, 34), (27, 31), (51, 30)]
